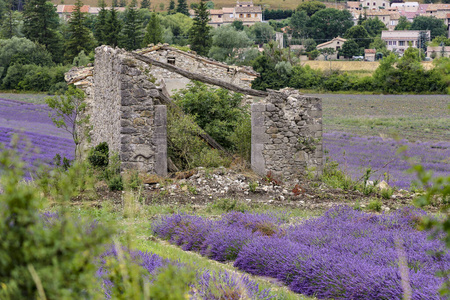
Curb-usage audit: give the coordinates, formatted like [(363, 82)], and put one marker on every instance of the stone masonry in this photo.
[(287, 134)]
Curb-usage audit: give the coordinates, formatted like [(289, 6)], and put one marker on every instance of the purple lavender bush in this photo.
[(345, 254)]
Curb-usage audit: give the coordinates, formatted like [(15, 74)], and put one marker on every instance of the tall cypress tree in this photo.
[(131, 36), (79, 35), (182, 7), (199, 34), (10, 22), (145, 4), (41, 24), (171, 9), (100, 24), (112, 28), (153, 32)]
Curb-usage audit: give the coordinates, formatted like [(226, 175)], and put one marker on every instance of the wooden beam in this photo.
[(199, 77)]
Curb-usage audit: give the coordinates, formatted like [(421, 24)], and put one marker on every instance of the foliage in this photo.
[(80, 37), (329, 23), (360, 35), (217, 111), (100, 29), (374, 26), (311, 7), (440, 40), (436, 26), (403, 24), (40, 25), (55, 261), (182, 7), (199, 34), (327, 52), (11, 25), (131, 35), (277, 14), (227, 43), (298, 24), (153, 33), (68, 112), (113, 26), (177, 28), (350, 48), (99, 155), (261, 33)]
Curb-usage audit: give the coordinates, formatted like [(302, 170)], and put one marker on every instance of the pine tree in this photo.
[(41, 24), (171, 7), (11, 21), (79, 35), (112, 28), (153, 32), (131, 37), (145, 4), (182, 7), (199, 35), (123, 3), (100, 24)]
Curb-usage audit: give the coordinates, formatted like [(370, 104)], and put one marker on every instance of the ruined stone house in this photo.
[(127, 94)]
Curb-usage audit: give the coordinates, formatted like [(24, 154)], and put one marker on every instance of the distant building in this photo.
[(369, 54), (400, 40), (406, 6), (375, 5), (439, 51), (65, 11), (335, 43), (246, 12)]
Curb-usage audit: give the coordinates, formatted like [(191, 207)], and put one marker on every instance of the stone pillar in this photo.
[(287, 135), (160, 140)]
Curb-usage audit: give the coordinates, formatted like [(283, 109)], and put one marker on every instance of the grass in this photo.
[(30, 97), (414, 117), (133, 227)]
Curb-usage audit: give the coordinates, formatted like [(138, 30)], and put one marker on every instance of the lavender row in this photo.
[(345, 254), (355, 153), (209, 285)]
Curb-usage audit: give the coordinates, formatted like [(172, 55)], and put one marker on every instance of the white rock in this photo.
[(383, 185)]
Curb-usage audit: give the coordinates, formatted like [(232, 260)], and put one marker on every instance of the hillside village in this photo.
[(224, 150)]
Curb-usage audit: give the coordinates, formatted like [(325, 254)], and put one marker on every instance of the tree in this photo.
[(100, 24), (298, 24), (171, 7), (238, 25), (79, 35), (210, 5), (131, 36), (329, 23), (123, 3), (350, 49), (68, 113), (112, 28), (145, 4), (436, 26), (227, 43), (182, 7), (403, 24), (41, 24), (311, 7), (422, 41), (11, 24), (374, 26), (309, 44), (327, 52), (359, 34), (153, 32), (262, 33), (380, 46), (199, 35)]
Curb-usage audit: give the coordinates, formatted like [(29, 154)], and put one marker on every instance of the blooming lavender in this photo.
[(40, 139), (356, 153), (345, 254)]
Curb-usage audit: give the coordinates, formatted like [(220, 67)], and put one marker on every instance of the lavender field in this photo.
[(39, 139), (365, 131), (345, 254)]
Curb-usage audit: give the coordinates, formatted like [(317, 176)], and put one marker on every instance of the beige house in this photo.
[(438, 51), (335, 44), (246, 12), (406, 6), (369, 54), (400, 40)]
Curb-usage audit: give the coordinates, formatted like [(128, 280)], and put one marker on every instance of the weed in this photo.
[(227, 205), (192, 189), (270, 178), (375, 205), (297, 190), (252, 185), (133, 181), (387, 193)]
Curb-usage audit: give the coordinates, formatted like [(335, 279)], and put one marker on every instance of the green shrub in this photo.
[(115, 183), (99, 156), (40, 260), (375, 205), (387, 193)]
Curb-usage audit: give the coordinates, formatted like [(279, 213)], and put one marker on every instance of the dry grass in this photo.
[(155, 4)]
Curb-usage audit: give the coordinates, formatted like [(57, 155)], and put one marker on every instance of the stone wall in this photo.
[(123, 112), (287, 134), (240, 76)]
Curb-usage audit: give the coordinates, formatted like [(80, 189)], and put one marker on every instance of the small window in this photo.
[(384, 4), (394, 43), (401, 43), (338, 43), (374, 4), (390, 43), (248, 16), (368, 3), (171, 60), (384, 18), (220, 16), (241, 15), (337, 47)]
